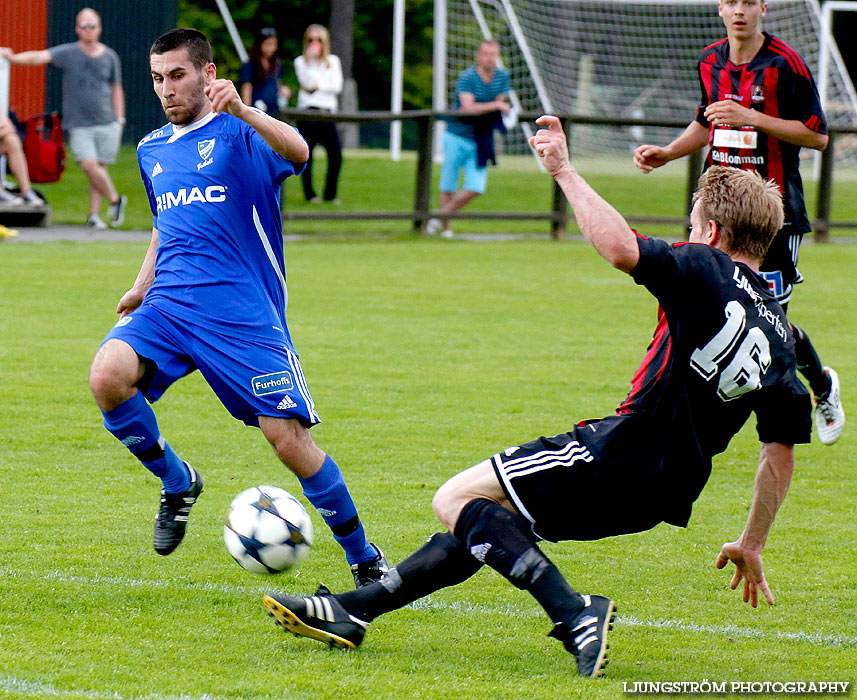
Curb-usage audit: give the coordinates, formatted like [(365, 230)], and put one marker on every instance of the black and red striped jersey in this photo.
[(779, 83), (722, 349)]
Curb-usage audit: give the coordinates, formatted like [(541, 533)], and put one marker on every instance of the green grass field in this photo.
[(423, 357), (371, 182)]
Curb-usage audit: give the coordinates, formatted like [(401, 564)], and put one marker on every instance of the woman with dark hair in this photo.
[(260, 76)]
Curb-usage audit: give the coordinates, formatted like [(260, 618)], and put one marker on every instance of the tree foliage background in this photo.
[(373, 41)]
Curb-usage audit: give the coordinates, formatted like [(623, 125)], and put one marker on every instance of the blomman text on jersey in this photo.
[(729, 159)]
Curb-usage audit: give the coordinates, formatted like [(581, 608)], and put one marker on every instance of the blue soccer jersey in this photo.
[(213, 188)]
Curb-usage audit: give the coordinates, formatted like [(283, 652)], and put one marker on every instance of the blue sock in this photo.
[(133, 423), (328, 493)]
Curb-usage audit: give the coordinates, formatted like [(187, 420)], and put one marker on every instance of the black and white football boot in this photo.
[(368, 572), (320, 617), (171, 520), (586, 635)]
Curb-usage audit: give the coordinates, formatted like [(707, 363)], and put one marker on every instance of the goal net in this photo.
[(624, 59)]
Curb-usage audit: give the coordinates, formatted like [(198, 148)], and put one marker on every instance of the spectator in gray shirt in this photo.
[(93, 107)]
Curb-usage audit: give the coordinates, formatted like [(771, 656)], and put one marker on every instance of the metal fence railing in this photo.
[(558, 215)]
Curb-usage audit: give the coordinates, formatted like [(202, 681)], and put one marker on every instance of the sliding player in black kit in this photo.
[(722, 350)]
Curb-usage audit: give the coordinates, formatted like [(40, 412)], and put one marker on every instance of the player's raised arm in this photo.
[(603, 226), (281, 137), (776, 465)]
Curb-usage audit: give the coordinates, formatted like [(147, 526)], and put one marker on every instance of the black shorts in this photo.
[(779, 268), (567, 494)]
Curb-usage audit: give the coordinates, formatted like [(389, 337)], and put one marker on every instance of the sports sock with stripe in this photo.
[(441, 562), (504, 541), (133, 423), (328, 493)]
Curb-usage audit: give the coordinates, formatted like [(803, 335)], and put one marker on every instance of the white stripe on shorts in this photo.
[(794, 247), (300, 383), (546, 459), (565, 456)]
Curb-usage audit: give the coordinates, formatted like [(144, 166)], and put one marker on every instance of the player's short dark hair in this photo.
[(748, 208), (198, 48)]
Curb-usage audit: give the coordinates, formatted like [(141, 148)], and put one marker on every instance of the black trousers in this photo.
[(322, 134)]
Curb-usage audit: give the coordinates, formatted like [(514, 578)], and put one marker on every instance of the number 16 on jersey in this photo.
[(750, 362)]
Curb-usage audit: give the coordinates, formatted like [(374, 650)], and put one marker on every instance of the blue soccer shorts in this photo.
[(459, 153), (252, 378)]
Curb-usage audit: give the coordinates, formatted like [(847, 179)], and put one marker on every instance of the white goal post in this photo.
[(623, 58)]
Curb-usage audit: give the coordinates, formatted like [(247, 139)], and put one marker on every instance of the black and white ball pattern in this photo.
[(267, 530)]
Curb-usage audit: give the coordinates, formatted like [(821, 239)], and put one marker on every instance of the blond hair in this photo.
[(748, 209), (325, 43)]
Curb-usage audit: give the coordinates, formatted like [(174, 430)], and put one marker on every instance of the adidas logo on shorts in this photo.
[(286, 404)]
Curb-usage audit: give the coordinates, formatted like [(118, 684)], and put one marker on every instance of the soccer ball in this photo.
[(267, 530)]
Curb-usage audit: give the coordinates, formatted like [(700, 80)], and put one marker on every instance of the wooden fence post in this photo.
[(422, 195), (825, 194), (694, 170)]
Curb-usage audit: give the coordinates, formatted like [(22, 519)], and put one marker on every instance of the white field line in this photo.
[(10, 684), (816, 638)]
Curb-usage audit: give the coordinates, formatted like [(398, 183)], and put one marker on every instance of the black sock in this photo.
[(441, 562), (809, 364), (505, 542)]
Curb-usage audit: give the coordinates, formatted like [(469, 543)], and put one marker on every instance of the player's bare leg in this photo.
[(293, 444), (113, 376), (324, 486)]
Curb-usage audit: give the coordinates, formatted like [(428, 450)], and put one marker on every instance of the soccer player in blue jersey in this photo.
[(759, 107), (479, 91), (211, 295), (722, 349)]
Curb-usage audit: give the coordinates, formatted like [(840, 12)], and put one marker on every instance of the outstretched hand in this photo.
[(224, 97), (648, 157), (748, 567), (550, 144)]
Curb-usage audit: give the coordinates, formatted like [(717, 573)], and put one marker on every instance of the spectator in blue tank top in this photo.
[(480, 90)]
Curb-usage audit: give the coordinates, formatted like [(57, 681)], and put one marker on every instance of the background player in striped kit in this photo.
[(211, 295), (759, 106), (722, 349)]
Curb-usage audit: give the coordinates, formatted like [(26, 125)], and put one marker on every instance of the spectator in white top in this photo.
[(320, 77)]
